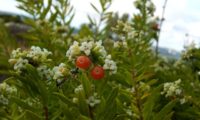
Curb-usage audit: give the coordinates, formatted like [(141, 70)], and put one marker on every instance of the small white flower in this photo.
[(116, 44), (86, 47), (73, 50), (198, 73), (108, 57), (100, 49), (3, 86), (182, 101), (78, 89), (3, 100), (93, 100), (99, 43), (178, 91), (46, 72), (59, 71), (131, 34), (75, 100), (20, 64), (110, 65), (129, 112), (124, 43), (127, 27)]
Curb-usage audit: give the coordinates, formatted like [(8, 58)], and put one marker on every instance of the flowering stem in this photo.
[(138, 99), (46, 113), (91, 113), (138, 103)]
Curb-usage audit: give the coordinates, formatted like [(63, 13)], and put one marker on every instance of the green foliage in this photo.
[(47, 84)]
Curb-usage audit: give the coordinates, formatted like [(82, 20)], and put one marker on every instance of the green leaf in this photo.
[(150, 103), (83, 106), (23, 104), (110, 109), (63, 98), (70, 19), (53, 16), (93, 6), (46, 10), (112, 96), (169, 116), (91, 20), (165, 111), (86, 84), (33, 116), (81, 117)]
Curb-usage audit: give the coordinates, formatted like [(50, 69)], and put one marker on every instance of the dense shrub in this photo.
[(104, 70)]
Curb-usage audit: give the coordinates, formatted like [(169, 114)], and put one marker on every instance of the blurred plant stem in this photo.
[(160, 24)]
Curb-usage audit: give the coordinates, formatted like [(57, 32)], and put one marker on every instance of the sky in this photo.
[(181, 17)]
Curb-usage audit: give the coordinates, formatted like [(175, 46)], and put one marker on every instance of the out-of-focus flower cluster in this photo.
[(119, 44), (6, 91), (173, 89), (93, 100), (35, 56), (38, 58), (60, 72)]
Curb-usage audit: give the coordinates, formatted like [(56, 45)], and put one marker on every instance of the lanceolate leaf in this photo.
[(151, 102), (165, 111)]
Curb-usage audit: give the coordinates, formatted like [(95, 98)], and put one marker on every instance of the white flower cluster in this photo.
[(93, 100), (45, 72), (131, 90), (73, 50), (85, 47), (17, 53), (32, 101), (78, 89), (172, 88), (3, 100), (127, 28), (5, 92), (183, 100), (59, 72), (38, 54), (129, 111), (100, 49), (20, 64), (21, 58), (7, 89), (118, 44), (110, 65)]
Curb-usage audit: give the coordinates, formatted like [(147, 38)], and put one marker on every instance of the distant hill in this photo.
[(169, 53)]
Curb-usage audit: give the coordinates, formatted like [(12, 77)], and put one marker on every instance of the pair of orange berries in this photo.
[(84, 62)]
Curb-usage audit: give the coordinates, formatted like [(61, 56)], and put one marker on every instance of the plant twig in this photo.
[(138, 99), (91, 113), (161, 23), (138, 103), (46, 113)]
